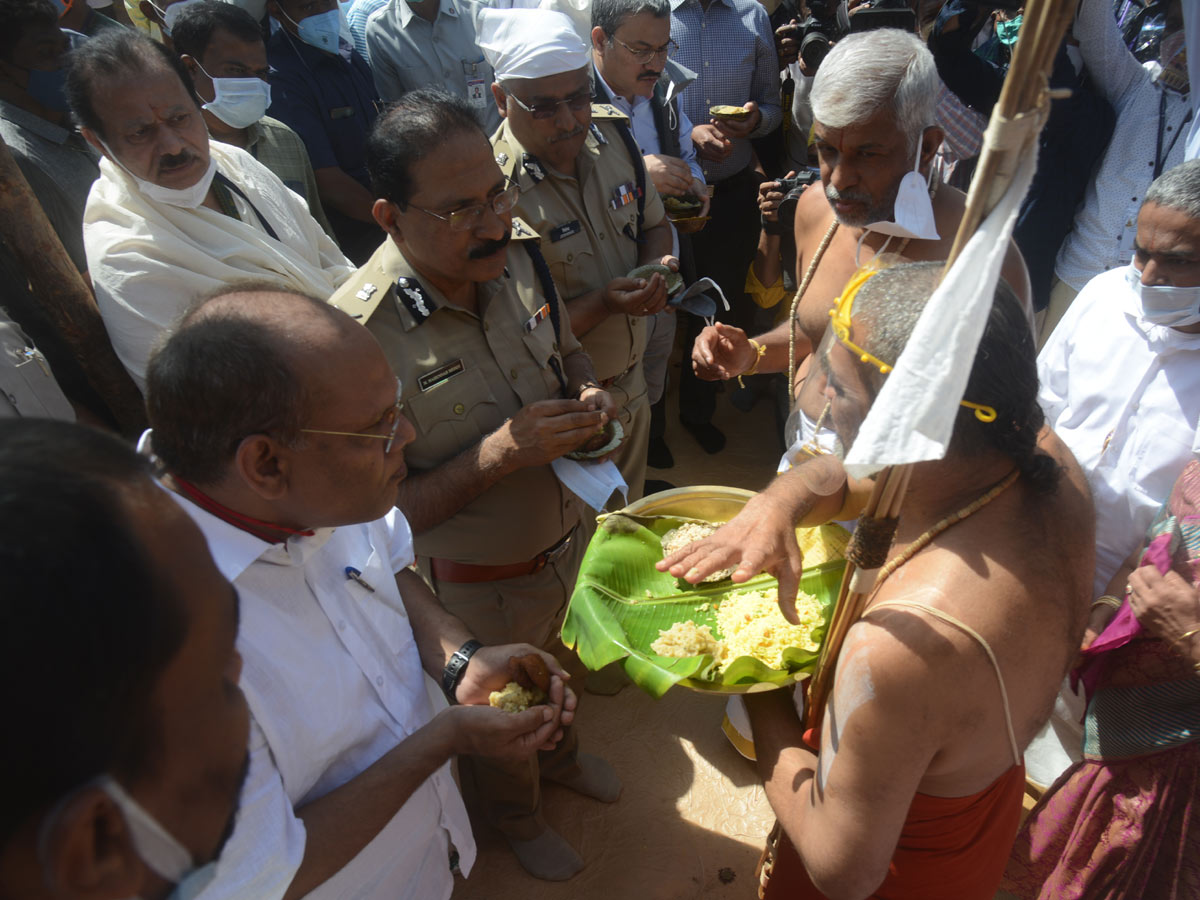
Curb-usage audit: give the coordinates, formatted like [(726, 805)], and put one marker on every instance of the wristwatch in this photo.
[(455, 666)]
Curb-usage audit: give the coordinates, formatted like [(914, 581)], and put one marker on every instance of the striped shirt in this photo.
[(731, 47)]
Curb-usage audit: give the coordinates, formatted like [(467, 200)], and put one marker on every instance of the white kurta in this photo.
[(333, 679), (148, 261), (1124, 395)]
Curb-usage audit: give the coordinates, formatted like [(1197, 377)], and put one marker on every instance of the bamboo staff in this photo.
[(1024, 94), (64, 294)]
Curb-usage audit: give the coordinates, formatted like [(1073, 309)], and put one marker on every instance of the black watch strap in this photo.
[(455, 666)]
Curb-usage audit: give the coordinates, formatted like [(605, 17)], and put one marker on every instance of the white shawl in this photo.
[(148, 261)]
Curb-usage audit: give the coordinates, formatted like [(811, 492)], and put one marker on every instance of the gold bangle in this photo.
[(1107, 600), (1187, 634)]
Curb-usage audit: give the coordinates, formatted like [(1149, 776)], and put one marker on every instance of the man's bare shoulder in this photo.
[(813, 213)]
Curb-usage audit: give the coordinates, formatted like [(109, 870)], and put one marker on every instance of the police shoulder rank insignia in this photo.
[(501, 158), (533, 167), (414, 298), (607, 111), (533, 321), (521, 231), (366, 292)]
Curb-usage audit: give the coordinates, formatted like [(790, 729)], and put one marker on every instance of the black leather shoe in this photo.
[(658, 456)]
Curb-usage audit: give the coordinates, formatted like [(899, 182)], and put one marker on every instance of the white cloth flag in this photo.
[(913, 417)]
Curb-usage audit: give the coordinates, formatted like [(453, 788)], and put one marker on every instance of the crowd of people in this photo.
[(379, 268)]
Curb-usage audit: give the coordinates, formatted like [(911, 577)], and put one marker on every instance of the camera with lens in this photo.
[(828, 21), (791, 188)]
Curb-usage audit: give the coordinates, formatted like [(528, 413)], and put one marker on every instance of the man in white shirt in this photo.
[(279, 421), (173, 214), (1153, 114), (1120, 384)]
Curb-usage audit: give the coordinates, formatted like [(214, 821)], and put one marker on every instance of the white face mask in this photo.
[(1163, 304), (912, 215), (159, 850), (185, 198), (238, 102)]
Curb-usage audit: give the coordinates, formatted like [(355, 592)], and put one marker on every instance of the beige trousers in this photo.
[(529, 609)]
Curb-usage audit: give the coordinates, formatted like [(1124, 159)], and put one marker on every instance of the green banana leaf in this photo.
[(621, 602)]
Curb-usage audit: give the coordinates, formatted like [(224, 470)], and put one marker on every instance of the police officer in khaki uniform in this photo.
[(584, 190), (496, 387)]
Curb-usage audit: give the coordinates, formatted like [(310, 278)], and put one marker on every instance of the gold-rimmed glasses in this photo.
[(390, 420)]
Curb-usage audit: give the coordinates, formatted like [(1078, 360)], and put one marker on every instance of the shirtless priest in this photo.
[(916, 789)]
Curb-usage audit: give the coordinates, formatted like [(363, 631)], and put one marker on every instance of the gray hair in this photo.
[(1178, 188), (609, 14), (872, 70)]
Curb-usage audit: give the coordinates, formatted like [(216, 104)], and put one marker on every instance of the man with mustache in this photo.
[(174, 214), (585, 191), (497, 388), (631, 43), (873, 103)]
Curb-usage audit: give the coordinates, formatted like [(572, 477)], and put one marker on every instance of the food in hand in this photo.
[(749, 623), (687, 534), (603, 442), (673, 279), (514, 698), (531, 671), (729, 113), (687, 205)]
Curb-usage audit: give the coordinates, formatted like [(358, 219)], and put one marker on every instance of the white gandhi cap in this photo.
[(530, 43)]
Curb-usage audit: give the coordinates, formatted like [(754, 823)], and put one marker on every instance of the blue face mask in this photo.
[(48, 88), (322, 31)]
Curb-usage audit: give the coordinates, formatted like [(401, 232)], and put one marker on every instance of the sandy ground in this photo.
[(692, 818)]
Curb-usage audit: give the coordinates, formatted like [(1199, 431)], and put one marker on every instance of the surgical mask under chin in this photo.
[(185, 198), (158, 848), (238, 102), (323, 31), (912, 215), (1162, 304)]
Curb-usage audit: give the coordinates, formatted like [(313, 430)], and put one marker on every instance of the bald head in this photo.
[(247, 360)]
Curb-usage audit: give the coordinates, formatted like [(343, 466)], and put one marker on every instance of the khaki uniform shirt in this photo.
[(463, 375), (587, 225)]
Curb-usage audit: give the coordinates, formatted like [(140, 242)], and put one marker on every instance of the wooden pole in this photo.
[(1045, 23), (64, 294)]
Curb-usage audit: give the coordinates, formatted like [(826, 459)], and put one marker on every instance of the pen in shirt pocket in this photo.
[(355, 575)]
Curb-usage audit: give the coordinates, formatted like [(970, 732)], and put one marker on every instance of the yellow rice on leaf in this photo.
[(750, 624)]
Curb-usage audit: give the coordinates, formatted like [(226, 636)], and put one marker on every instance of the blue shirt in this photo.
[(356, 18), (732, 49), (328, 99)]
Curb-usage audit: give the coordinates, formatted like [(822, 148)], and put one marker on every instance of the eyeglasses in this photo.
[(546, 109), (644, 56), (840, 315), (468, 218), (390, 419)]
